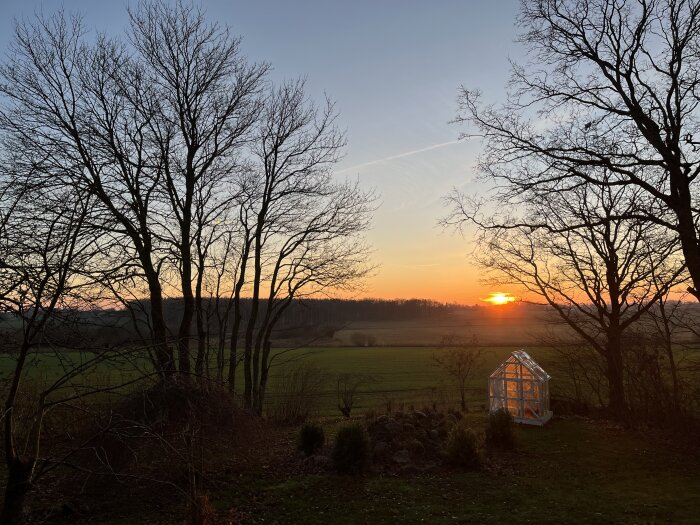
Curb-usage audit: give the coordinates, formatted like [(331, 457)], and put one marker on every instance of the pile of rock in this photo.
[(410, 442)]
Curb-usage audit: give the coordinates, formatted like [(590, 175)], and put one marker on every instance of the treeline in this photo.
[(304, 321), (314, 311)]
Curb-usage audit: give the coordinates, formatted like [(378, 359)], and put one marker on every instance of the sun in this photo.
[(499, 298)]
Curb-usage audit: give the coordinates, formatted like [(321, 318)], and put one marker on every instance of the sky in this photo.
[(393, 69)]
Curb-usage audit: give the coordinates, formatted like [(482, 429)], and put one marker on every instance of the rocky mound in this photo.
[(410, 442)]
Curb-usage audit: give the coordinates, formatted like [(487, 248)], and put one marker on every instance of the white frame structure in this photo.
[(521, 387)]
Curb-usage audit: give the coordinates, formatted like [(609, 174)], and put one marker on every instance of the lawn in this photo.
[(570, 471)]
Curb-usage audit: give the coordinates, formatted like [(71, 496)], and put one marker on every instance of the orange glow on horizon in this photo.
[(499, 298)]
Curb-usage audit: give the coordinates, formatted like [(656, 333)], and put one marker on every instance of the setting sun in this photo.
[(499, 298)]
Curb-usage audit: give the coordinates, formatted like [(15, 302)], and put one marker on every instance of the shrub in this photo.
[(311, 438), (499, 430), (348, 385), (462, 450), (352, 449)]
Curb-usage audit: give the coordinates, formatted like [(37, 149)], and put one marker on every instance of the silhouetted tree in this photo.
[(151, 130), (598, 271), (460, 359), (45, 250), (207, 96), (303, 234), (607, 98)]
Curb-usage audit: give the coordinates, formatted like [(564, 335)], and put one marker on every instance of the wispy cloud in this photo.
[(420, 266), (398, 156)]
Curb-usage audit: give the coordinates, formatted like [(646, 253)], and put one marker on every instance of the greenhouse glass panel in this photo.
[(520, 386)]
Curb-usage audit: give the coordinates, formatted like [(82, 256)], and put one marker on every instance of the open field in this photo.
[(404, 376), (401, 375), (490, 326)]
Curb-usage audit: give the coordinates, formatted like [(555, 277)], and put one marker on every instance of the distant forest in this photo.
[(305, 319)]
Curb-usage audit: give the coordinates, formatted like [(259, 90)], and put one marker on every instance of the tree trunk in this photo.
[(233, 353), (251, 362), (686, 229), (201, 331), (615, 375), (264, 374), (164, 356), (19, 482), (184, 333), (259, 369), (237, 315)]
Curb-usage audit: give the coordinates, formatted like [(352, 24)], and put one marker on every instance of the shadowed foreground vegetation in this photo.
[(573, 471)]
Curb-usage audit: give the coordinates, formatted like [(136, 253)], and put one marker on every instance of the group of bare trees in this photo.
[(594, 158), (164, 164)]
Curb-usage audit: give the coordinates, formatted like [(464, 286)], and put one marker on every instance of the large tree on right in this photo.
[(610, 86)]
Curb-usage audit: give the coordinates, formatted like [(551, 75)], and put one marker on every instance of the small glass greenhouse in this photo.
[(521, 387)]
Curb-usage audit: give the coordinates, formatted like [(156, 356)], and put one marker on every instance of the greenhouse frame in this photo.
[(521, 387)]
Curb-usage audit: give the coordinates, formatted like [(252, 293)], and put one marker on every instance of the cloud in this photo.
[(420, 266), (399, 156)]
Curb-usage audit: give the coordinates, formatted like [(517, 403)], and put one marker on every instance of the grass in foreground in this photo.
[(571, 471), (568, 472)]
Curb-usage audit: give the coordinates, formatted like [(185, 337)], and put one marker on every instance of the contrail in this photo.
[(399, 156)]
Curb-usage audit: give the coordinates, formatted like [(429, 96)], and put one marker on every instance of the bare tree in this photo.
[(610, 85), (459, 358), (320, 254), (152, 130), (594, 268), (71, 106), (300, 229), (46, 248), (208, 104)]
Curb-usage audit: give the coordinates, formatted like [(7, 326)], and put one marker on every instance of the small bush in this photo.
[(462, 450), (499, 431), (352, 449), (311, 438)]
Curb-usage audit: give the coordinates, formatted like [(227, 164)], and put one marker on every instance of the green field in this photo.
[(402, 376)]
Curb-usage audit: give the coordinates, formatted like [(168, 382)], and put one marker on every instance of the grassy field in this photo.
[(493, 327), (402, 376)]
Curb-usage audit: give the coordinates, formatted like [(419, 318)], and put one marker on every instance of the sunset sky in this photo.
[(393, 68)]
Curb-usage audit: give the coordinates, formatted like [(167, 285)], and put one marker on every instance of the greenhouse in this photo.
[(520, 386)]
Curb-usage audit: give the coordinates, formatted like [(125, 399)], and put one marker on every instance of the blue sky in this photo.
[(393, 68)]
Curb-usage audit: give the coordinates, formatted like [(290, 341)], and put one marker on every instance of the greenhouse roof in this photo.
[(522, 357)]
